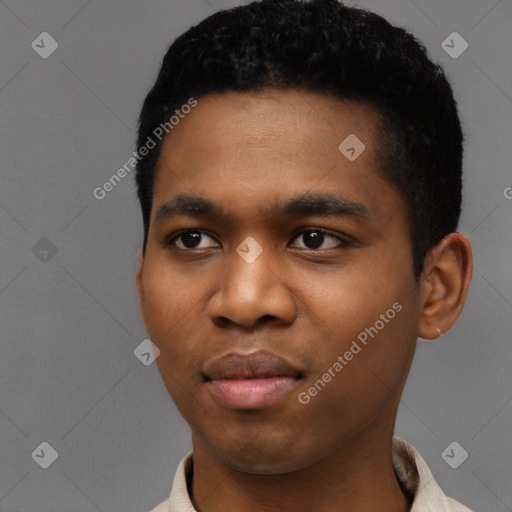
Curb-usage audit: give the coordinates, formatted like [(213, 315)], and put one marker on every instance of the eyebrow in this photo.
[(329, 205)]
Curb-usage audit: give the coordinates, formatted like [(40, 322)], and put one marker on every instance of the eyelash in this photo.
[(169, 241)]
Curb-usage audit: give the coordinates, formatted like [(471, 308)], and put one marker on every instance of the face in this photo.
[(277, 280)]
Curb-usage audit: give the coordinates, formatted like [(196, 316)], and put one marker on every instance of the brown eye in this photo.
[(190, 239), (315, 238)]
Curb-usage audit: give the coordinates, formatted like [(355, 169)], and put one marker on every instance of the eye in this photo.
[(314, 238), (189, 239)]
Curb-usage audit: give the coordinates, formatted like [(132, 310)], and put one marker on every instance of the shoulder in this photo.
[(415, 476), (179, 499), (455, 506), (162, 507)]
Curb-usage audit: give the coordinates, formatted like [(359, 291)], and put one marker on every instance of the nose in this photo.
[(252, 292)]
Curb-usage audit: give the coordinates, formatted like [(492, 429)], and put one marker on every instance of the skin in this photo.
[(246, 151)]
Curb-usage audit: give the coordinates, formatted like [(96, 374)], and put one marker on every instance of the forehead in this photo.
[(273, 143), (294, 119)]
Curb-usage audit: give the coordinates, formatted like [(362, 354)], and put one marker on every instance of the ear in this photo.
[(138, 283), (444, 285)]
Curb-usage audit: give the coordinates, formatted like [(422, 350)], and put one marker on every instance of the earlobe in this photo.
[(444, 285)]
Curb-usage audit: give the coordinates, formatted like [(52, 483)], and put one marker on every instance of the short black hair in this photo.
[(324, 46)]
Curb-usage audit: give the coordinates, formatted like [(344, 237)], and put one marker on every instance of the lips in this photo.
[(250, 381), (257, 365)]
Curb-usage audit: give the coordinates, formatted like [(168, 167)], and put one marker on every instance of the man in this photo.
[(299, 235)]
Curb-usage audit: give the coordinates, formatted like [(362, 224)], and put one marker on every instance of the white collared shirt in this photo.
[(410, 468)]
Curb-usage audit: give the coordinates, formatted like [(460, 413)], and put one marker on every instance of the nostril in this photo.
[(221, 321)]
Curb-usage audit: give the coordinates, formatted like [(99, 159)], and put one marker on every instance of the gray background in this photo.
[(70, 322)]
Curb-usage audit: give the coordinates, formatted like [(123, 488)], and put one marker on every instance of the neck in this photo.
[(357, 476)]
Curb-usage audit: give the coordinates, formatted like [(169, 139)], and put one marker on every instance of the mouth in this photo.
[(252, 381)]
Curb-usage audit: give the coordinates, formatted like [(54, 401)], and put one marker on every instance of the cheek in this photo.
[(368, 320), (167, 299), (170, 309), (346, 302)]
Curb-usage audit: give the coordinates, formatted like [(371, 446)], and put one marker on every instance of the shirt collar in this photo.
[(412, 472)]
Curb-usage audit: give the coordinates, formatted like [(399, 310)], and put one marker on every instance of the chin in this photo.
[(262, 457), (258, 465)]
